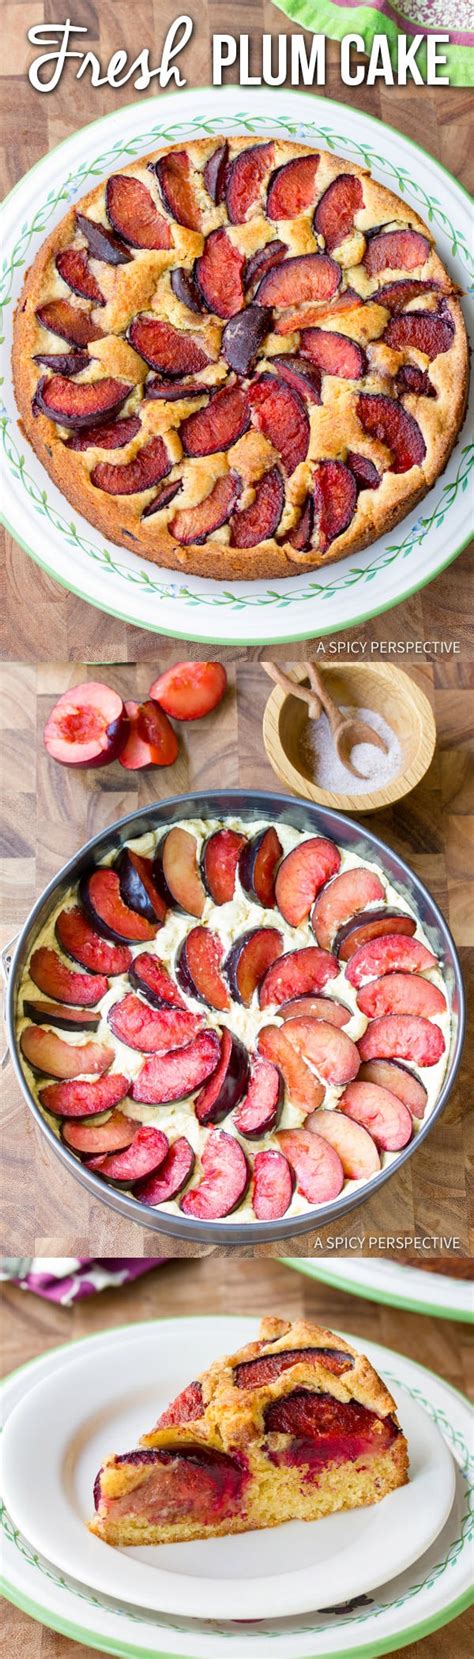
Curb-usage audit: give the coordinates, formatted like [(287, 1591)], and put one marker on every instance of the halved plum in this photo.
[(77, 1099), (145, 1154), (248, 960), (381, 1113), (273, 1185), (171, 351), (193, 525), (181, 873), (396, 250), (225, 1179), (219, 425), (291, 189), (168, 1077), (63, 1018), (149, 975), (330, 1050), (151, 740), (399, 1080), (77, 403), (69, 321), (219, 861), (323, 1429), (84, 944), (99, 892), (335, 501), (73, 266), (243, 335), (152, 1030), (102, 243), (93, 1140), (173, 174), (281, 415), (258, 862), (228, 1082), (371, 924), (160, 1188), (300, 279), (137, 887), (303, 1088), (403, 1037), (219, 274), (296, 974), (259, 521), (301, 875), (190, 690), (354, 1145), (259, 1112), (52, 976), (198, 968), (87, 726), (393, 953), (343, 898), (400, 993), (133, 214), (316, 1008), (318, 1168), (245, 176), (51, 1055)]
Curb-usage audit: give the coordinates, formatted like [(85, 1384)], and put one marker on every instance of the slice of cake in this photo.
[(292, 1427)]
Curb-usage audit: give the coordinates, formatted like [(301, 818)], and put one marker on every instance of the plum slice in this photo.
[(73, 266), (384, 1116), (296, 974), (219, 275), (383, 418), (334, 353), (273, 1186), (248, 960), (371, 924), (316, 1008), (244, 177), (93, 1140), (102, 243), (399, 1081), (325, 1431), (305, 277), (133, 215), (396, 250), (181, 873), (259, 1111), (150, 976), (158, 389), (301, 536), (186, 289), (258, 522), (261, 1372), (364, 471), (113, 436), (164, 495), (171, 351), (243, 335), (330, 1050), (258, 862), (225, 1179), (193, 525), (50, 1054), (72, 403), (303, 1088), (410, 378), (56, 980), (335, 501), (215, 173), (354, 1145), (219, 861), (137, 887), (431, 332), (160, 1188), (396, 295), (301, 875), (219, 425), (69, 321), (64, 1018), (261, 262), (189, 690), (146, 1152), (82, 942), (198, 968), (152, 1030), (313, 315), (87, 726), (281, 414), (172, 172), (303, 376), (167, 1077), (76, 1099), (151, 740), (318, 1168), (68, 363), (334, 215), (99, 891), (394, 953), (196, 1484), (402, 1037), (228, 1082), (400, 993), (149, 466), (343, 898), (187, 1406), (292, 187)]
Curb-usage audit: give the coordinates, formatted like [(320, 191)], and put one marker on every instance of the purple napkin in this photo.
[(68, 1279)]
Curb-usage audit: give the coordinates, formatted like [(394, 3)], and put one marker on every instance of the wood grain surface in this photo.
[(36, 608), (49, 811), (32, 1327)]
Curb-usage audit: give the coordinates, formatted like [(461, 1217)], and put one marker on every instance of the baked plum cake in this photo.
[(240, 359), (294, 1426)]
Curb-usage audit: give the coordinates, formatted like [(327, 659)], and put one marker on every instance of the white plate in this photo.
[(417, 1602), (394, 1286), (121, 582), (57, 1437)]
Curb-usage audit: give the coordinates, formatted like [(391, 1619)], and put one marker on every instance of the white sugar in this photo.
[(319, 754)]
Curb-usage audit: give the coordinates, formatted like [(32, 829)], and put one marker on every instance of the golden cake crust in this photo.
[(144, 285)]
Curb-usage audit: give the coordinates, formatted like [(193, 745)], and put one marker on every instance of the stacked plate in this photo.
[(343, 1586), (394, 1285)]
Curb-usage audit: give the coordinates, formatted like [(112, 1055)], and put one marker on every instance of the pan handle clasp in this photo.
[(6, 956)]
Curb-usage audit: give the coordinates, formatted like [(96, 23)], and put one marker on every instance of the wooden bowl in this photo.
[(387, 690)]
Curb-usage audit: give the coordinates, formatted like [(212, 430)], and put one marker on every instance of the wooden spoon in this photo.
[(294, 689), (347, 729)]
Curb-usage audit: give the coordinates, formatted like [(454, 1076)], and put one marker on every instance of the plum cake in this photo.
[(294, 1426), (241, 359)]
